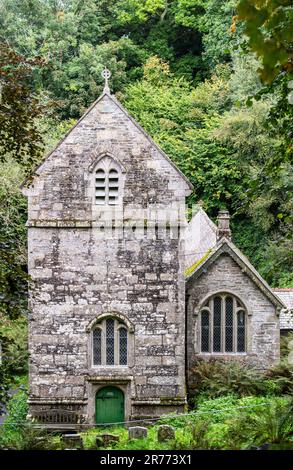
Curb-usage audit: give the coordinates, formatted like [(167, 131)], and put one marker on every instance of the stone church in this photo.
[(124, 293)]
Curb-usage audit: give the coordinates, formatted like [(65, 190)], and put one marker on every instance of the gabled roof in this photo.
[(286, 315), (225, 246), (200, 236), (28, 180), (286, 295)]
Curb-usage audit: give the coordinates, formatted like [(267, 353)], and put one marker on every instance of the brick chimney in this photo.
[(223, 225)]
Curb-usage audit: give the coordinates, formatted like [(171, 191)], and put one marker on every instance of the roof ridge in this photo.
[(254, 273), (27, 181)]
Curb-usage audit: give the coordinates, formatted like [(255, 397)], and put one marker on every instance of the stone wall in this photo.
[(80, 272), (263, 334)]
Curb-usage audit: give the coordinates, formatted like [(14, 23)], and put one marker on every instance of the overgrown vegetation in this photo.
[(207, 79), (215, 378), (228, 422)]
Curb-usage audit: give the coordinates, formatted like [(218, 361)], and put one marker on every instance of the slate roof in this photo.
[(200, 236), (207, 250), (286, 315)]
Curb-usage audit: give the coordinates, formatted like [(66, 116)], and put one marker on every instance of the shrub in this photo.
[(215, 378), (282, 376), (177, 420), (17, 410), (26, 437), (219, 409), (284, 345), (271, 424), (17, 433), (217, 436)]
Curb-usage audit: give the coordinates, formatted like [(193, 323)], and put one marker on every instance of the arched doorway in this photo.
[(109, 405)]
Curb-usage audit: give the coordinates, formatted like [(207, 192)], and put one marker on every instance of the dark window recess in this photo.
[(113, 186), (100, 187), (107, 187)]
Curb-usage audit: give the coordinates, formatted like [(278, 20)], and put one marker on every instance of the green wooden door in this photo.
[(109, 405)]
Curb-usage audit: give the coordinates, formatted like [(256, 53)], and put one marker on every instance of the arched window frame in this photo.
[(208, 306), (102, 326), (108, 181)]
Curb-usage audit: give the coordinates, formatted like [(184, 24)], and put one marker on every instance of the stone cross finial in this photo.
[(223, 225), (106, 74)]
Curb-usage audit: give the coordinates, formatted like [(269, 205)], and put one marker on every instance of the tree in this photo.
[(20, 108), (182, 121), (268, 25)]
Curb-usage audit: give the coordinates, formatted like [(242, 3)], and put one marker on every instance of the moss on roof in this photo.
[(193, 267)]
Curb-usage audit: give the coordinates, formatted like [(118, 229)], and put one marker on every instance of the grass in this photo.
[(213, 426), (229, 421)]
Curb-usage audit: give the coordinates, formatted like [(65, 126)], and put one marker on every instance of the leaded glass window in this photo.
[(217, 324), (205, 331), (223, 325), (97, 346), (229, 324), (110, 343), (240, 331), (122, 346)]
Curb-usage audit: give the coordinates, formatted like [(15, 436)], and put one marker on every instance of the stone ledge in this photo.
[(59, 401), (106, 379), (158, 401), (104, 224)]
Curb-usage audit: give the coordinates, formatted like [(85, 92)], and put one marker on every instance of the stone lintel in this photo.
[(104, 379), (59, 401), (159, 401)]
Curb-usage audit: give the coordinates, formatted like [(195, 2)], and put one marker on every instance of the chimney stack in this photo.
[(223, 225)]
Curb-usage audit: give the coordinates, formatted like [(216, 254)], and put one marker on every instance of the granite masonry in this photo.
[(107, 294)]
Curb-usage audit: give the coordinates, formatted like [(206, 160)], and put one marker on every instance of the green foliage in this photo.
[(219, 378), (28, 437), (282, 376), (19, 107), (182, 121), (218, 409), (219, 40), (13, 336), (12, 240), (286, 345), (221, 423), (259, 149), (13, 276), (18, 434), (17, 410), (78, 82), (269, 28), (270, 424), (4, 387), (230, 136)]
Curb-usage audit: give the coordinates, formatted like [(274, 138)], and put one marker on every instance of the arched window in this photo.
[(110, 343), (107, 182), (223, 325)]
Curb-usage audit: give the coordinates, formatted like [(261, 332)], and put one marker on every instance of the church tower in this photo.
[(106, 326)]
